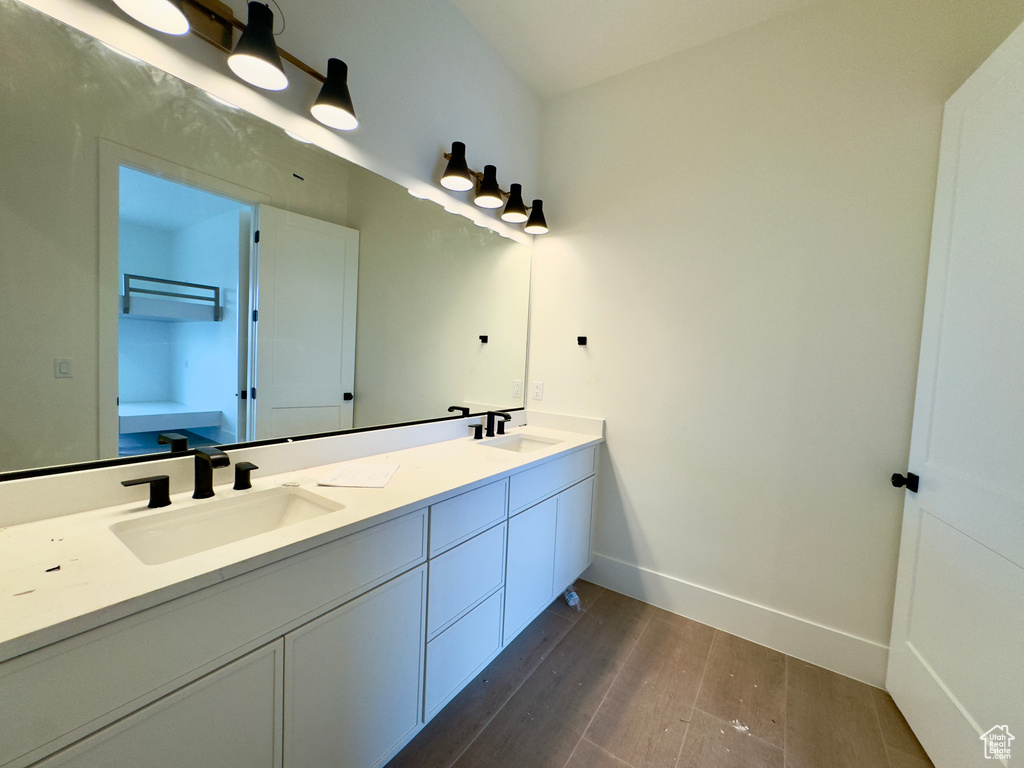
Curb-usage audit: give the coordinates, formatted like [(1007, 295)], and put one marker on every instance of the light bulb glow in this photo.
[(161, 15), (259, 72), (334, 117), (456, 183), (488, 201)]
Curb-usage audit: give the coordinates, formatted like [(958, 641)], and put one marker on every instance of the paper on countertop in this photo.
[(360, 476)]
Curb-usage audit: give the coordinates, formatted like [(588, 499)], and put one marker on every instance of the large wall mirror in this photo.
[(128, 205)]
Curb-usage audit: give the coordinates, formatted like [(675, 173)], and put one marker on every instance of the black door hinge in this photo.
[(252, 393), (255, 315), (244, 394), (257, 236)]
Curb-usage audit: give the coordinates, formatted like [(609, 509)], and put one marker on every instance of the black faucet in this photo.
[(206, 460), (463, 411), (159, 489), (178, 443), (243, 472), (501, 426)]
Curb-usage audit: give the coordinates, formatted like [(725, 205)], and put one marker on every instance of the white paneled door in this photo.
[(304, 362), (956, 663)]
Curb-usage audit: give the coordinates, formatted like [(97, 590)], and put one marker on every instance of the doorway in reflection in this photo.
[(183, 274)]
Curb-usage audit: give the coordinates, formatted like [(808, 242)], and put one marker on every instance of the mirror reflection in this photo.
[(371, 304)]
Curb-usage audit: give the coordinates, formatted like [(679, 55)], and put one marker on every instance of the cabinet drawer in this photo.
[(538, 483), (459, 518), (463, 576), (58, 694), (458, 653)]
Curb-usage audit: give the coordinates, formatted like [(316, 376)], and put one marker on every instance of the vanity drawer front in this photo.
[(538, 483), (58, 694), (459, 518), (458, 653), (462, 576)]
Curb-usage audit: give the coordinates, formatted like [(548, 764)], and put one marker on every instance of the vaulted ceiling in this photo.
[(559, 45)]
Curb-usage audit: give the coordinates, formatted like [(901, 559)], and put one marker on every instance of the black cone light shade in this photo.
[(488, 193), (515, 208), (255, 58), (333, 107), (457, 176), (536, 225), (161, 15)]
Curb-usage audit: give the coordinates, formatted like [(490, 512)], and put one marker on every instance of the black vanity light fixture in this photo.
[(161, 15), (488, 193), (459, 177), (536, 225), (255, 58), (333, 107), (515, 209)]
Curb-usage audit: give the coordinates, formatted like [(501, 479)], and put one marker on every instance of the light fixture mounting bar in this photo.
[(213, 22)]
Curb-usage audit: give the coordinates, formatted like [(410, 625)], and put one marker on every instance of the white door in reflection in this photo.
[(182, 322), (304, 335)]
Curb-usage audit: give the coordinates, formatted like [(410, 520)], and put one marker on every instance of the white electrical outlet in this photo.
[(517, 387), (538, 390)]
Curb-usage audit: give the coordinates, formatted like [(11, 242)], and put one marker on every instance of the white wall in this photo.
[(144, 347), (206, 354), (742, 232)]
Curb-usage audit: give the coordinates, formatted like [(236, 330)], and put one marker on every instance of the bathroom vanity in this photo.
[(327, 640)]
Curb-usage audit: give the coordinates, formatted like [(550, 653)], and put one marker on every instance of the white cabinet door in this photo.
[(955, 662), (529, 571), (572, 534), (354, 678), (228, 719)]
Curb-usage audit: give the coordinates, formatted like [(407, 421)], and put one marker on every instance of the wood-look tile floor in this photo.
[(627, 685)]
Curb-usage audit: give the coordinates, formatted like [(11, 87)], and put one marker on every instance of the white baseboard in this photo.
[(855, 657)]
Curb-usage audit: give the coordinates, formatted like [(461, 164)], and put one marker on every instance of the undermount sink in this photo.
[(521, 443), (179, 533)]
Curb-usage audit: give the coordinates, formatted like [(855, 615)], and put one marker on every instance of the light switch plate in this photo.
[(62, 368)]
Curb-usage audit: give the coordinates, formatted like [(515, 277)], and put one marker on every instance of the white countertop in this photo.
[(101, 580)]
